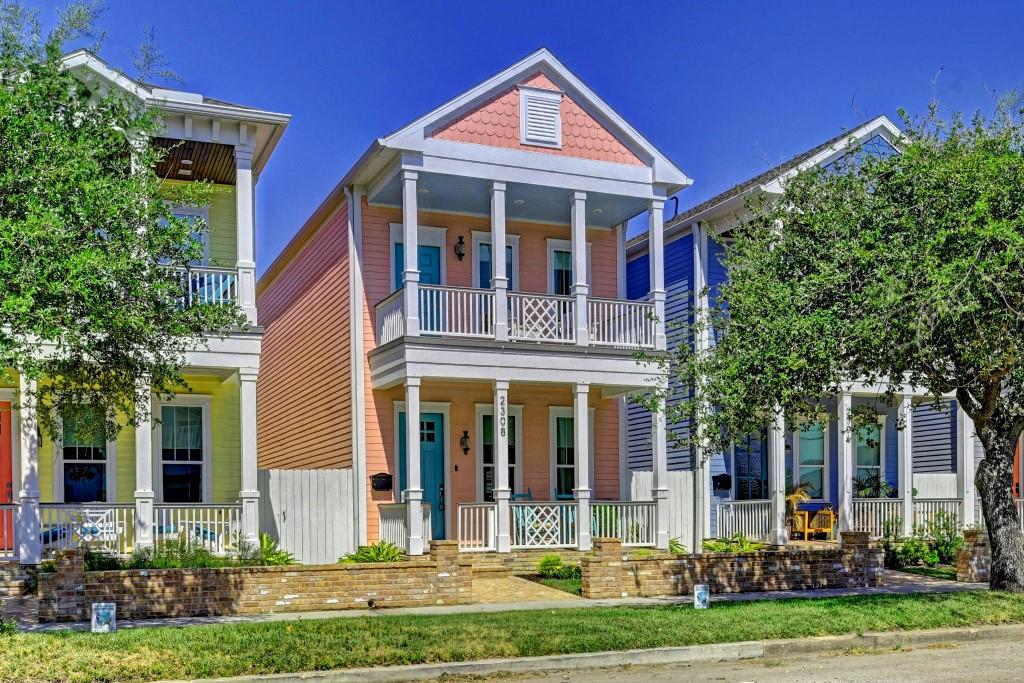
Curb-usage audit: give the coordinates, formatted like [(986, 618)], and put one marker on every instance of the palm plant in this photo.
[(872, 486), (796, 495)]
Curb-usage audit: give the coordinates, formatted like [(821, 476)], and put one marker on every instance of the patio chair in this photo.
[(814, 518), (523, 496)]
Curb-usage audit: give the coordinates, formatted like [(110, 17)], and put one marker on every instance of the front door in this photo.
[(431, 466), (429, 263), (6, 478)]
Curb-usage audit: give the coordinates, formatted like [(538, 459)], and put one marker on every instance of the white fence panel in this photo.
[(680, 501), (310, 512)]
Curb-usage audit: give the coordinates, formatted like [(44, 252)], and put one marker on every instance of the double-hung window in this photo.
[(810, 458), (489, 477), (869, 452), (183, 453), (750, 460), (560, 267), (565, 457), (485, 267), (84, 458)]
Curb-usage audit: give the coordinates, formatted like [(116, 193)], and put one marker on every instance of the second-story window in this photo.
[(483, 261), (560, 270), (193, 215)]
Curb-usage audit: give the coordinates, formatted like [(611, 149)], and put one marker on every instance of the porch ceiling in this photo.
[(440, 192)]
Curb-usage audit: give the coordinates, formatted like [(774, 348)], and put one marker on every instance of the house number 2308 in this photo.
[(502, 418)]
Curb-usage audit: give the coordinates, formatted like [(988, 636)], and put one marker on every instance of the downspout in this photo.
[(353, 197)]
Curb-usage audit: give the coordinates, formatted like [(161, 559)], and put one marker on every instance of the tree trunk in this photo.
[(994, 480)]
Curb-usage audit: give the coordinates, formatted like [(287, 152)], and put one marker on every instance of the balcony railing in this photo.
[(208, 285), (394, 525), (748, 517), (471, 313)]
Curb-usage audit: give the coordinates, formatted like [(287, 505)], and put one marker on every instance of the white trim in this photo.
[(526, 93), (822, 419), (357, 360), (562, 411), (205, 403), (425, 236), (554, 245), (11, 396), (515, 411), (58, 468), (484, 237), (445, 409)]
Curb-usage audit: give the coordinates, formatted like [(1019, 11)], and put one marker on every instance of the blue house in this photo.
[(881, 473)]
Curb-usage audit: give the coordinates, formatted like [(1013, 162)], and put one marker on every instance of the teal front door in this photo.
[(431, 466)]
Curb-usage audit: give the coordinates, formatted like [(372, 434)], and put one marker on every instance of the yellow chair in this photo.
[(815, 521)]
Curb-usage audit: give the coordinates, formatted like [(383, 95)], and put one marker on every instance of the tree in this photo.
[(907, 269), (91, 257)]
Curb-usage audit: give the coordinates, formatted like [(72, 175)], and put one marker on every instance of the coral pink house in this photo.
[(476, 392)]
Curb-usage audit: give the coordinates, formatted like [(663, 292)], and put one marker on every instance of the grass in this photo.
[(939, 571), (574, 586), (263, 648)]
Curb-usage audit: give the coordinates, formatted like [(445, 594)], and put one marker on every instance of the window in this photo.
[(750, 459), (869, 452), (489, 478), (540, 118), (810, 459), (183, 453), (84, 466), (565, 457), (483, 268), (195, 214), (560, 267)]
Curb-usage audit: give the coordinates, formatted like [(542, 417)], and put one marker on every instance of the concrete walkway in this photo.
[(897, 583)]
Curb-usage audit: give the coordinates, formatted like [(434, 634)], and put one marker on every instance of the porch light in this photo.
[(464, 441), (460, 252)]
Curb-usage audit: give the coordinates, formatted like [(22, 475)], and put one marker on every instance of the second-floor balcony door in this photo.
[(431, 301)]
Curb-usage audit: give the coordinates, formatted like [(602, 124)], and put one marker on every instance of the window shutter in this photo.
[(541, 117)]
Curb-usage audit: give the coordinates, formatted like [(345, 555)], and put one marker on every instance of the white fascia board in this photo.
[(83, 59), (412, 135)]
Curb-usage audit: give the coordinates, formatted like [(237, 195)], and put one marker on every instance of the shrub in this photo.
[(675, 547), (381, 551), (272, 554), (178, 555), (551, 567), (916, 551), (8, 627), (737, 543), (947, 539), (891, 541), (100, 561)]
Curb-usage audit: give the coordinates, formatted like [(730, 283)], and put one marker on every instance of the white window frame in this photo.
[(881, 449), (525, 92), (425, 236), (555, 412), (515, 411), (202, 212), (481, 237), (565, 245), (58, 469), (205, 403), (823, 420)]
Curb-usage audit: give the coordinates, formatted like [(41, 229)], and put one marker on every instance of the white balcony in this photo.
[(208, 285)]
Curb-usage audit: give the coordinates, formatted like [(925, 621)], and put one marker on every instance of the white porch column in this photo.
[(702, 341), (905, 456), (414, 488), (847, 443), (778, 533), (30, 547), (410, 246), (246, 232), (659, 485), (498, 275), (656, 259), (581, 449), (580, 288), (249, 495), (965, 466), (144, 494), (503, 487)]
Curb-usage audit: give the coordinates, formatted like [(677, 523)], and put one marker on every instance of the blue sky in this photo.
[(726, 89)]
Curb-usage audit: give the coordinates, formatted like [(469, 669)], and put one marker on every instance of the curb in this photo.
[(693, 654)]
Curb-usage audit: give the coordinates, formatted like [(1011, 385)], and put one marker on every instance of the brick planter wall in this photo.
[(442, 578), (974, 563), (608, 573)]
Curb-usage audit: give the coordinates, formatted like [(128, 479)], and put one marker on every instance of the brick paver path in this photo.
[(515, 589)]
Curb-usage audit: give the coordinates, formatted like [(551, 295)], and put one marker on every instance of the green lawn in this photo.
[(574, 586), (939, 571), (260, 648)]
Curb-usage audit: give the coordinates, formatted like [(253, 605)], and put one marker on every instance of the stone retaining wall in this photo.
[(974, 563), (442, 578), (610, 573)]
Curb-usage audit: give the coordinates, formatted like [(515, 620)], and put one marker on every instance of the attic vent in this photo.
[(540, 118)]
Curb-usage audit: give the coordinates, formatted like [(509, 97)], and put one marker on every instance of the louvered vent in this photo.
[(540, 116)]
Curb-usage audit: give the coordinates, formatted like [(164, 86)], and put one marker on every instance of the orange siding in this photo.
[(304, 408), (496, 123)]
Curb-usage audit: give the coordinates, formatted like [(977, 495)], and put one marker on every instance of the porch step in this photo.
[(492, 570)]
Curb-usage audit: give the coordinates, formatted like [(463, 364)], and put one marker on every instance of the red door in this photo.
[(6, 479)]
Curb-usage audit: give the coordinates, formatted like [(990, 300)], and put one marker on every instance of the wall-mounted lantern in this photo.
[(464, 442), (460, 248)]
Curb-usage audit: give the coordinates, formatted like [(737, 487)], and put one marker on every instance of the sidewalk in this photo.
[(897, 583)]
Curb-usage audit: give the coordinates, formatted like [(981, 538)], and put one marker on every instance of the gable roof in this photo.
[(777, 174)]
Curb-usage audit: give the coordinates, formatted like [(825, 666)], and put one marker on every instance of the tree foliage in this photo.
[(91, 255), (902, 271)]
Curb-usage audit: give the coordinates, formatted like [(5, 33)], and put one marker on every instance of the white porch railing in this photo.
[(217, 528), (621, 323), (541, 317), (394, 527), (748, 517), (543, 525), (870, 514), (8, 530), (926, 509), (477, 526), (633, 523), (208, 285), (104, 526), (456, 311), (390, 318)]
